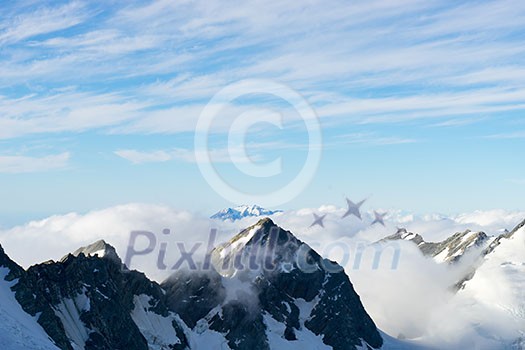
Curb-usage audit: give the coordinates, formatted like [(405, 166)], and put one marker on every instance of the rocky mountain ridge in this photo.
[(90, 300), (450, 250)]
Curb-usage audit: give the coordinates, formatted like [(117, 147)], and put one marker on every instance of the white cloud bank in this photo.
[(413, 300)]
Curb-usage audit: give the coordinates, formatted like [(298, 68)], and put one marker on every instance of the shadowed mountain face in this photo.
[(264, 289), (90, 302), (18, 329), (269, 284)]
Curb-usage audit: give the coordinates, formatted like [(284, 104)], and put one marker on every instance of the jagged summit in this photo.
[(404, 234), (257, 231), (290, 299), (263, 245), (99, 249), (504, 236), (268, 291), (243, 211), (266, 221), (15, 271), (519, 226), (450, 250), (499, 280)]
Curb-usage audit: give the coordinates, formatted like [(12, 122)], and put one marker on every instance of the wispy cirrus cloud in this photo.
[(372, 139), (16, 164), (65, 110), (168, 44), (126, 75), (458, 122), (508, 135), (17, 27), (217, 155)]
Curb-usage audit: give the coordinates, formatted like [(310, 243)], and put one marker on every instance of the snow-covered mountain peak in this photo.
[(505, 236), (498, 283), (404, 234), (509, 245), (261, 296), (261, 246), (87, 301), (255, 233), (243, 211), (450, 250)]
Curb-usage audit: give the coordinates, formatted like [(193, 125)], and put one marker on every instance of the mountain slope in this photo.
[(262, 290), (451, 250), (272, 291), (18, 330), (498, 283), (91, 302)]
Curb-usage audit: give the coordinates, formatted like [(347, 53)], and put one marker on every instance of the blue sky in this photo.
[(420, 102)]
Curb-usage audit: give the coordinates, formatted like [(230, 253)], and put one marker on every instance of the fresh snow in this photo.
[(497, 290), (500, 280), (241, 242), (442, 257), (157, 329), (18, 330), (306, 339), (408, 236), (203, 338), (69, 311), (160, 334), (100, 253)]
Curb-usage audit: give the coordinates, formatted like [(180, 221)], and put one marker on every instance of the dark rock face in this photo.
[(263, 282), (32, 304), (15, 270), (243, 326), (53, 289), (193, 295), (274, 275), (340, 316)]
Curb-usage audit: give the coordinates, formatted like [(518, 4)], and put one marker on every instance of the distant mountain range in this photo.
[(243, 211), (249, 299), (450, 250), (495, 276), (498, 280)]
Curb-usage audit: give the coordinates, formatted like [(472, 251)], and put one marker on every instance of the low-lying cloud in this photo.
[(410, 298)]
